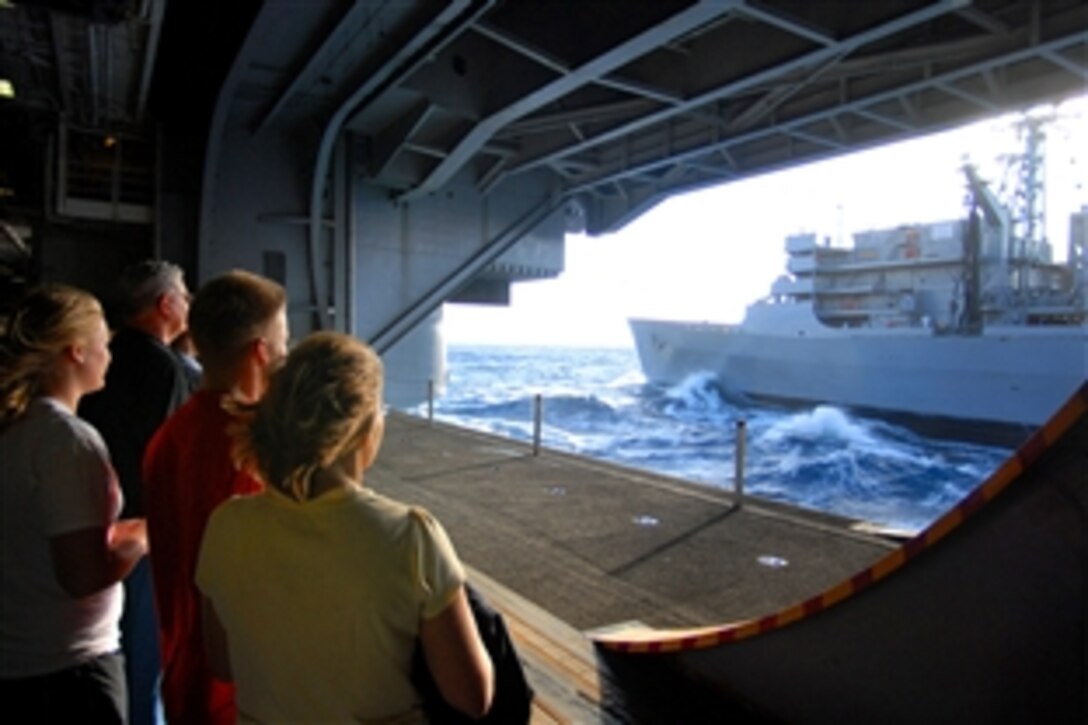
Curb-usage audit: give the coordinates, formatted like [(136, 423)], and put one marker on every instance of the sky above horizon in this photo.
[(706, 255)]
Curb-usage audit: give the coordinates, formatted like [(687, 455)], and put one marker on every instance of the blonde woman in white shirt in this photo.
[(62, 550)]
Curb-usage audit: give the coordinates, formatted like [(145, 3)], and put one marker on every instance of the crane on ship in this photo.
[(1029, 286)]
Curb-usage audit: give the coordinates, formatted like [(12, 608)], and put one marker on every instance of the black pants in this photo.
[(93, 692)]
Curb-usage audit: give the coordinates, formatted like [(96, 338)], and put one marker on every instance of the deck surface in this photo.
[(563, 545)]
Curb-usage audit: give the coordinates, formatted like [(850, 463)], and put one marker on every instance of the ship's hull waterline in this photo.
[(993, 387)]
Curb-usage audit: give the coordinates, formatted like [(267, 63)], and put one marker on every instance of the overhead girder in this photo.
[(751, 81), (876, 108), (572, 89), (581, 141), (616, 103), (590, 72), (954, 96)]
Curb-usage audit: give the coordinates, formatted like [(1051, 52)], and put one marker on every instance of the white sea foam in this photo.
[(697, 392), (822, 422), (596, 403)]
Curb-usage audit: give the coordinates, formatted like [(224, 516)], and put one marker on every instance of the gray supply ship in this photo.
[(964, 328)]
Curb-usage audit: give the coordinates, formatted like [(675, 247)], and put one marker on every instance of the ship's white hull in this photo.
[(1008, 377)]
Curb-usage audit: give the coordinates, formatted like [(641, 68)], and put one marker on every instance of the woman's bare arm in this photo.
[(457, 659), (89, 560)]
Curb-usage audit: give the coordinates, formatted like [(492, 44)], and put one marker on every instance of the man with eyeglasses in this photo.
[(239, 324), (146, 382)]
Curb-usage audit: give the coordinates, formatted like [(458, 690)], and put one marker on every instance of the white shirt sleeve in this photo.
[(76, 485)]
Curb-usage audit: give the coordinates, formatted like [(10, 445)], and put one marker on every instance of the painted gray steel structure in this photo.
[(997, 386), (385, 156)]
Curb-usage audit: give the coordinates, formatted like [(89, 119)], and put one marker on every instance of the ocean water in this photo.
[(597, 403)]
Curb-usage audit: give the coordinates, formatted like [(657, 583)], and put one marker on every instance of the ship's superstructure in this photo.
[(968, 321)]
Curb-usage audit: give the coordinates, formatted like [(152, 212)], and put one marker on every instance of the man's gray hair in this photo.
[(141, 284)]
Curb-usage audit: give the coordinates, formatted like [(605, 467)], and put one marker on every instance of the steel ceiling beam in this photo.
[(984, 20), (839, 49), (676, 26), (972, 98), (557, 66), (777, 96), (544, 123), (335, 38), (780, 20), (831, 115), (1062, 62)]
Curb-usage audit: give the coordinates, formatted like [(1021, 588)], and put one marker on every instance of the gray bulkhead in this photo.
[(377, 256)]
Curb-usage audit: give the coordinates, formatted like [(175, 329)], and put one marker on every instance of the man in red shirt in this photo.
[(239, 324)]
